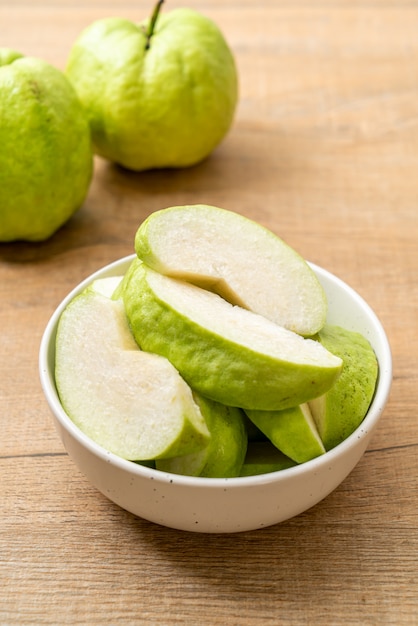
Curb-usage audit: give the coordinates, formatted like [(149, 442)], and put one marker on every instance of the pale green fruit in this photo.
[(150, 463), (291, 430), (225, 453), (109, 287), (253, 432), (224, 352), (262, 458), (342, 409), (166, 101), (237, 258), (46, 159), (7, 56), (132, 403)]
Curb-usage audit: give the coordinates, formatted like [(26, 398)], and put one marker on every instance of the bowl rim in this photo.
[(369, 422)]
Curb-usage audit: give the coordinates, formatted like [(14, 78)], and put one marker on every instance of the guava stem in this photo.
[(152, 23)]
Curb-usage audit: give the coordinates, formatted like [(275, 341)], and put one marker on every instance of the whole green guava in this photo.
[(158, 94), (46, 158)]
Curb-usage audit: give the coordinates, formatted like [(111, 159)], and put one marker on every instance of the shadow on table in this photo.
[(292, 559)]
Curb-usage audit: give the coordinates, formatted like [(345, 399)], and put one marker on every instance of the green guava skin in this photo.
[(290, 431), (342, 409), (224, 455), (7, 56), (163, 106), (46, 159), (262, 458)]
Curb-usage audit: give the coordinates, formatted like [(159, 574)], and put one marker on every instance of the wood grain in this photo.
[(324, 151)]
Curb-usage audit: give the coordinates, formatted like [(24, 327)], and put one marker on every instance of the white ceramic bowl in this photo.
[(231, 504)]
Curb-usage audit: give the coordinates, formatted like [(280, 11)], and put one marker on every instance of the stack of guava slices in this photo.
[(212, 355)]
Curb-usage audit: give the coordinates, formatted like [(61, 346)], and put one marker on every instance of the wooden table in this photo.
[(324, 151)]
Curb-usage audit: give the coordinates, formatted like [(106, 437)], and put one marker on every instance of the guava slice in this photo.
[(225, 453), (263, 457), (237, 258), (224, 352), (292, 431), (132, 403), (342, 409)]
